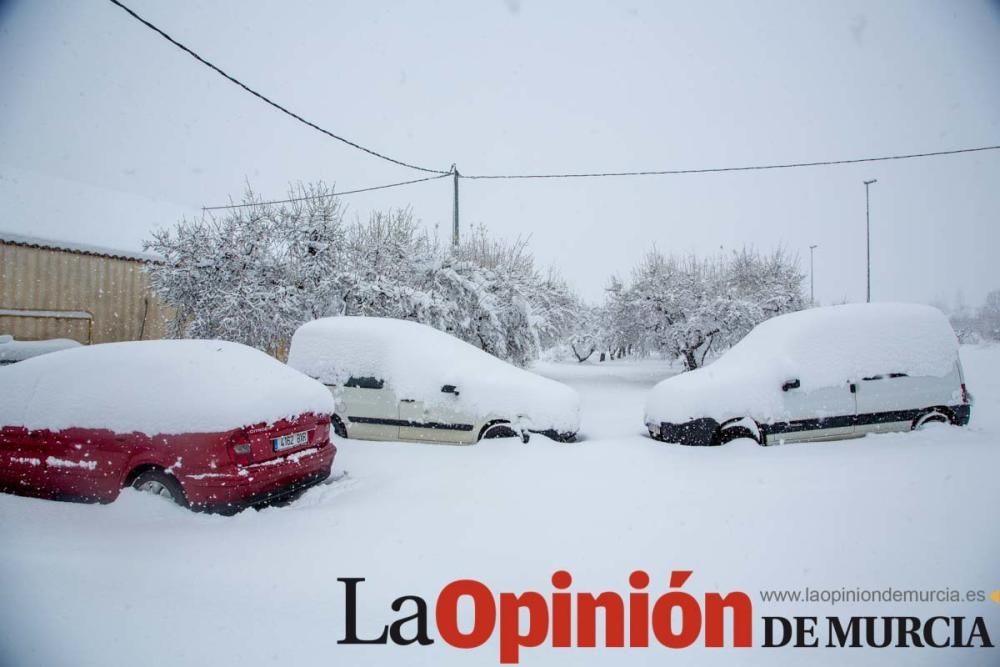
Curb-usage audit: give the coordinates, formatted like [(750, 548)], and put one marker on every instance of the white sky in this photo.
[(106, 130)]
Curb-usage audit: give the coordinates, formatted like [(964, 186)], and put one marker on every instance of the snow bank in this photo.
[(909, 511), (821, 347), (12, 350), (156, 387), (417, 360)]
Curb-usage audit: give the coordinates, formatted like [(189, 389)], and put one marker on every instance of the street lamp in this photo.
[(812, 297), (868, 238)]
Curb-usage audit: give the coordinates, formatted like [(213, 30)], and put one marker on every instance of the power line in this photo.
[(713, 170), (268, 100), (332, 194)]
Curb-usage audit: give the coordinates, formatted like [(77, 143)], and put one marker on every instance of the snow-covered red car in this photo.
[(820, 374), (399, 380), (212, 425)]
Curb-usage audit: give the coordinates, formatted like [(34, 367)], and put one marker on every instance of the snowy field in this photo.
[(143, 582)]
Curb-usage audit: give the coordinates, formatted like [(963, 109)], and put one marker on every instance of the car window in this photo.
[(885, 376), (367, 382)]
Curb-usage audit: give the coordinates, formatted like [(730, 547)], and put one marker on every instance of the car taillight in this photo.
[(323, 431), (240, 450), (965, 394)]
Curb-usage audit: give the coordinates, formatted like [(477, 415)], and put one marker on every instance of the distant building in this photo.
[(51, 289)]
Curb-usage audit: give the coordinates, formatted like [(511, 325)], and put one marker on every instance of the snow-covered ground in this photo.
[(143, 582)]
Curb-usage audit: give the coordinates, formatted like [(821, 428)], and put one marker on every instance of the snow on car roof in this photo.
[(156, 387), (416, 360), (827, 345), (820, 347)]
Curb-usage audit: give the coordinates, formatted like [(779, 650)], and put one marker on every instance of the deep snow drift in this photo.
[(143, 582), (156, 386)]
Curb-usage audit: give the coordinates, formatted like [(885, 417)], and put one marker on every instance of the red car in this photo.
[(213, 425)]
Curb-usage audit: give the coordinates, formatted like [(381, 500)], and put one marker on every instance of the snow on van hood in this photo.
[(156, 387), (821, 347), (416, 360)]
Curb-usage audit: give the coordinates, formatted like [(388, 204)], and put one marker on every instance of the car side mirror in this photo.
[(791, 384), (449, 389)]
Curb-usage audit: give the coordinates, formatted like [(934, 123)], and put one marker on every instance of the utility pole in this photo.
[(868, 237), (812, 297), (454, 223)]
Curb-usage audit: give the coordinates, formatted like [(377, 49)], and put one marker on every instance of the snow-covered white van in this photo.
[(398, 380), (820, 374)]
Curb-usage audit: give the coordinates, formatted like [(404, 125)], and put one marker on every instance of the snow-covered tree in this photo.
[(989, 316), (586, 332), (259, 271), (386, 259), (255, 273), (687, 307), (496, 287)]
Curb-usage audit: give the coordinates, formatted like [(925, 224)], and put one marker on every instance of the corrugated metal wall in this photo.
[(115, 291)]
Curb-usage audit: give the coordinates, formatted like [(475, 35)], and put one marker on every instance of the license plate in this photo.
[(290, 440)]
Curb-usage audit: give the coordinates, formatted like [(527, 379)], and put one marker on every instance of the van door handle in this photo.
[(407, 400)]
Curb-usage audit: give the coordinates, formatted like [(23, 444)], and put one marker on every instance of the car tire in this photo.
[(498, 430), (339, 428), (729, 433), (160, 483), (931, 416)]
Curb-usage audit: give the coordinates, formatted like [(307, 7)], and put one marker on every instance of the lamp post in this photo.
[(812, 296), (868, 238)]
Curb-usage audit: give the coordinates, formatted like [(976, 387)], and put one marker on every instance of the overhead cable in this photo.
[(269, 101), (326, 196), (713, 170)]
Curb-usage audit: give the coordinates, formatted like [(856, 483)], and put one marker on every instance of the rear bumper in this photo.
[(241, 487), (963, 413), (267, 497)]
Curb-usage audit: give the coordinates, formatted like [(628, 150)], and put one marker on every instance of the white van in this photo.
[(399, 380), (820, 374)]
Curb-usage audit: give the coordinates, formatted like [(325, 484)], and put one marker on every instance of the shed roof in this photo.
[(79, 248)]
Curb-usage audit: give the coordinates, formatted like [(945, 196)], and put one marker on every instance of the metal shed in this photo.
[(52, 289)]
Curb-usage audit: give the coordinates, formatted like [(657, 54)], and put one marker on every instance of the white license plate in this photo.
[(290, 440)]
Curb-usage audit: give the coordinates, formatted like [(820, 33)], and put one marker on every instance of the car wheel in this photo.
[(734, 432), (159, 483), (931, 416), (339, 428), (499, 430)]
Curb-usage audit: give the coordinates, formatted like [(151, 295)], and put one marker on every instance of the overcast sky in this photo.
[(106, 130)]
